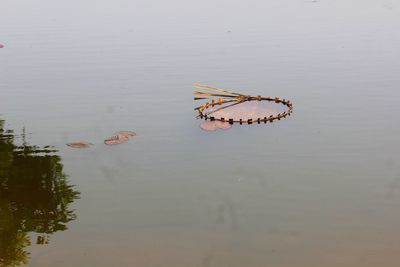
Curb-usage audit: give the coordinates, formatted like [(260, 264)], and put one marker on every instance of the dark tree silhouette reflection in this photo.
[(35, 197)]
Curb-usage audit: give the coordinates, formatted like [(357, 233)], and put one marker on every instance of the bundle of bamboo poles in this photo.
[(227, 97)]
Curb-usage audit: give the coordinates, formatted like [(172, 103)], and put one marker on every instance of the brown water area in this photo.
[(318, 188)]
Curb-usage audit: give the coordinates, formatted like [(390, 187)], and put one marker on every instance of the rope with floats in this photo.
[(231, 98)]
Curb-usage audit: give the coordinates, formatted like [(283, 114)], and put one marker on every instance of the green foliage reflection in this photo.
[(34, 197)]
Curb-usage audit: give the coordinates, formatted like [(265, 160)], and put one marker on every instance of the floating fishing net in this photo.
[(229, 107), (119, 138), (82, 144), (116, 139)]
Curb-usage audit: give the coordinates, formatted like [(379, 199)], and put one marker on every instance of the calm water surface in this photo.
[(320, 188)]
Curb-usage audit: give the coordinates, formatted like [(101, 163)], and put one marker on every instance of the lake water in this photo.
[(319, 188)]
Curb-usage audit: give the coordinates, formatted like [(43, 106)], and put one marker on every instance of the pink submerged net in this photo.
[(245, 110), (227, 107)]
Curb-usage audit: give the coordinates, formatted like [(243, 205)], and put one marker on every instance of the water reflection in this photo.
[(35, 197)]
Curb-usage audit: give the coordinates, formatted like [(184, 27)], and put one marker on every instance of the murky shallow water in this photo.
[(320, 188)]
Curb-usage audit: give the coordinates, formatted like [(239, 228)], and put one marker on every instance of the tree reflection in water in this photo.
[(34, 197)]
